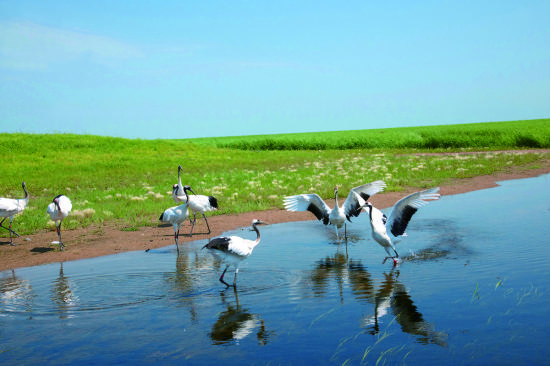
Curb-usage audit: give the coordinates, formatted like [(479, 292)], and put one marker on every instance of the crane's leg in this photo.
[(61, 246), (208, 226), (235, 279), (346, 232), (176, 237), (9, 229), (223, 274), (11, 239), (192, 223), (395, 258)]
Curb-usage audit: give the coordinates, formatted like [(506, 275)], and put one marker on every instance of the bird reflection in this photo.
[(236, 323), (392, 296), (182, 280), (337, 267), (388, 296), (15, 292), (62, 294)]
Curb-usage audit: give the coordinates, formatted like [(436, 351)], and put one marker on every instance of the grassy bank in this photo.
[(128, 182)]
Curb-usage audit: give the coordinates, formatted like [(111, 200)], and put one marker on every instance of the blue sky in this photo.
[(177, 69)]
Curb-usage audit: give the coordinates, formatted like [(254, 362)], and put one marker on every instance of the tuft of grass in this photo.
[(476, 293), (131, 228)]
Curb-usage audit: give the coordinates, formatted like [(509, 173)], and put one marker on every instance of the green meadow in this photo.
[(127, 183), (499, 135)]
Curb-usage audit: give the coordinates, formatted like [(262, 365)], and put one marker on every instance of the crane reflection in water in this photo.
[(384, 296), (16, 293), (62, 295), (236, 323), (183, 281)]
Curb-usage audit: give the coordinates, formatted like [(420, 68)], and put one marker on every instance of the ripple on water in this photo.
[(87, 293), (111, 291), (256, 281)]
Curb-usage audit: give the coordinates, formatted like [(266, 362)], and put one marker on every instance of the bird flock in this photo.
[(232, 250)]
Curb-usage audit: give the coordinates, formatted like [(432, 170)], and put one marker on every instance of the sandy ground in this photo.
[(105, 240)]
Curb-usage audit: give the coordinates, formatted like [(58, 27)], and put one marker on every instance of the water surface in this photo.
[(472, 289)]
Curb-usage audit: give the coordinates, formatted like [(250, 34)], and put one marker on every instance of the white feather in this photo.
[(65, 207)]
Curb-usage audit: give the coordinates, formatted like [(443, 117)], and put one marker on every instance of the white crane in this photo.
[(175, 216), (58, 209), (9, 207), (234, 249), (389, 231), (178, 195), (338, 215), (200, 203)]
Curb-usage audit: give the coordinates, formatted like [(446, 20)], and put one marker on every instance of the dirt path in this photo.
[(527, 151), (98, 241)]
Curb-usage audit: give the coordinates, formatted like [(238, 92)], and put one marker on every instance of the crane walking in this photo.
[(233, 250), (9, 207), (175, 216), (200, 203)]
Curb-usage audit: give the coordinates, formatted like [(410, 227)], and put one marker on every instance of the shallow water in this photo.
[(472, 289)]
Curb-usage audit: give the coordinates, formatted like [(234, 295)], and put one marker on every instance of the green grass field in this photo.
[(127, 182), (497, 135)]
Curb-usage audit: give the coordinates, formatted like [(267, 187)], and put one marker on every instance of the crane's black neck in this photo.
[(255, 228), (25, 190)]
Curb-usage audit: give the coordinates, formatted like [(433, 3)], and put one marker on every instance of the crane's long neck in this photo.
[(369, 211), (258, 237), (335, 198), (186, 195), (25, 200), (180, 186)]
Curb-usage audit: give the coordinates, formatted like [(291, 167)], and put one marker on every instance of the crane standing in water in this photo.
[(233, 250), (389, 231)]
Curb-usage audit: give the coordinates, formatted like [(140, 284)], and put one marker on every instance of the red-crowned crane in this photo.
[(200, 203), (175, 216), (9, 207), (233, 250), (59, 209), (338, 215), (389, 231)]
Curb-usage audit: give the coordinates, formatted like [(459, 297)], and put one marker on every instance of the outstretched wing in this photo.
[(308, 202), (405, 208), (358, 196)]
